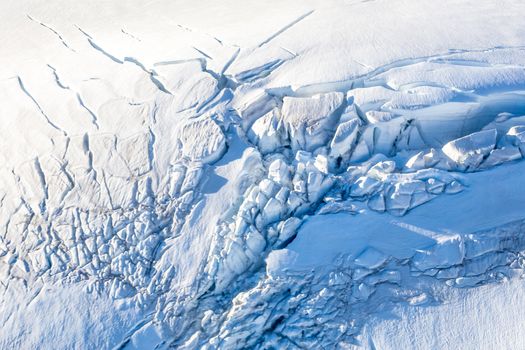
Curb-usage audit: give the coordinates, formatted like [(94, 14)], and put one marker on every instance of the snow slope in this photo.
[(283, 174)]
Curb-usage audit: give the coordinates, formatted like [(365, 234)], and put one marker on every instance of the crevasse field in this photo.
[(317, 174)]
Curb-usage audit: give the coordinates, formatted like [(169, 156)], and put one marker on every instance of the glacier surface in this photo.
[(262, 175)]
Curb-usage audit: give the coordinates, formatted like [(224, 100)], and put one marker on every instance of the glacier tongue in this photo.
[(250, 175)]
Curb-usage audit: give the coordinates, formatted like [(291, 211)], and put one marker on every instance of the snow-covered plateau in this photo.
[(316, 174)]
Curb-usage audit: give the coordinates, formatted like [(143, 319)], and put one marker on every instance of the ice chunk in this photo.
[(398, 203), (419, 198), (282, 195), (272, 211), (420, 299), (236, 260), (196, 91), (363, 291), (406, 195), (360, 273), (483, 264), (345, 138), (454, 187), (267, 132), (337, 207), (501, 155), (288, 229), (303, 156), (469, 151), (364, 186), (375, 117), (423, 160), (310, 120), (203, 140), (435, 186), (516, 136), (381, 169), (363, 149), (255, 242), (294, 201), (279, 172), (466, 282), (392, 276), (268, 187), (350, 111), (252, 105), (377, 202), (321, 163), (317, 185), (518, 132), (278, 260), (371, 259)]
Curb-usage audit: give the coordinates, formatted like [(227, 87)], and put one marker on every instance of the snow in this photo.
[(469, 151), (483, 316), (307, 120), (38, 319), (227, 175)]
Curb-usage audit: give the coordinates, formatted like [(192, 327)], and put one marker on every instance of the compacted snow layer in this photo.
[(484, 317), (228, 175)]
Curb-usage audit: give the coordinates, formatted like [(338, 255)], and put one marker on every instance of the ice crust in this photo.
[(250, 175)]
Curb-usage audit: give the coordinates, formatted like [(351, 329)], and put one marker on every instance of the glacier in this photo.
[(262, 175)]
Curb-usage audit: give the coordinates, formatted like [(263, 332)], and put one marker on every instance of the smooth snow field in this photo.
[(318, 174)]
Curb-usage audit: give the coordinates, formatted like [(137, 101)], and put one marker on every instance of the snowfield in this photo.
[(230, 174)]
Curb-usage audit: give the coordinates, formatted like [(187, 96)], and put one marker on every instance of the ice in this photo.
[(255, 242), (317, 185), (195, 92), (267, 132), (447, 252), (375, 117), (309, 121), (272, 211), (208, 152), (344, 139), (423, 160), (502, 155), (370, 259), (201, 175), (381, 169), (365, 186), (457, 259), (279, 172), (469, 151), (377, 202), (406, 195), (288, 229), (516, 135), (435, 186)]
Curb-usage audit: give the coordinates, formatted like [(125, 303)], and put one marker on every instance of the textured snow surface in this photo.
[(268, 175)]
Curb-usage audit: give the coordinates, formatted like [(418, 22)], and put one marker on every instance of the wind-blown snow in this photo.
[(231, 175)]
